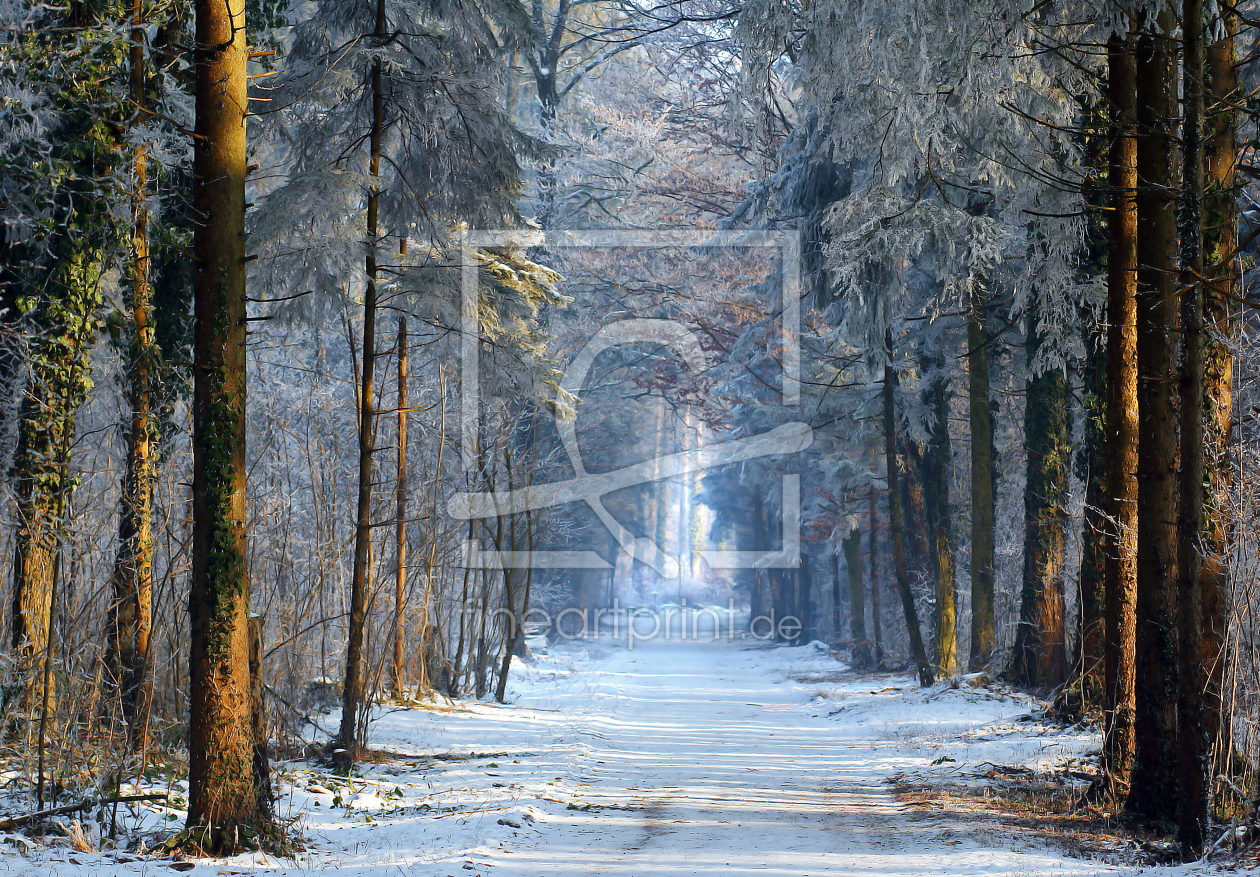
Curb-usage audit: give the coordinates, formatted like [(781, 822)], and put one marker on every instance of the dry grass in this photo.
[(78, 839), (1050, 808)]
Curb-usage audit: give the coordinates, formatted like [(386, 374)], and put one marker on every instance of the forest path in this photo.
[(703, 758)]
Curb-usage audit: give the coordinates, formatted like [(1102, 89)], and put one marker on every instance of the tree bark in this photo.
[(1039, 658), (982, 499), (516, 599), (913, 508), (860, 655), (1121, 442), (222, 792), (937, 462), (1219, 314), (896, 525), (1153, 786), (353, 691), (131, 613), (1193, 746), (836, 625), (400, 523), (758, 601), (876, 622)]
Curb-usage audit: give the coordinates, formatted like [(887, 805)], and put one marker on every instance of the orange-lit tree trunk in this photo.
[(222, 790), (132, 582), (1121, 419)]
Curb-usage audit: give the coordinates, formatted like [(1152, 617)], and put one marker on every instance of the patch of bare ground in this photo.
[(1049, 808), (1058, 809), (844, 674)]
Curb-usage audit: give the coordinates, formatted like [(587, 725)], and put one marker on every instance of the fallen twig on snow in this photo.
[(17, 821)]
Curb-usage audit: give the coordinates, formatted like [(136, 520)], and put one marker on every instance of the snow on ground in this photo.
[(668, 759)]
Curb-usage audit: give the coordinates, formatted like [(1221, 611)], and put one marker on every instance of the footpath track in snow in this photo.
[(709, 758), (701, 761)]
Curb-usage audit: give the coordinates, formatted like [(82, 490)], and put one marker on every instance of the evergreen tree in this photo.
[(392, 119)]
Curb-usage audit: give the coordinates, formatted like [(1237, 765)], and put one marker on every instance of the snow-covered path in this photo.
[(697, 759), (664, 760), (701, 764)]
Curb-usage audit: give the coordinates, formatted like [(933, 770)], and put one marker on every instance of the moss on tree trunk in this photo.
[(223, 792)]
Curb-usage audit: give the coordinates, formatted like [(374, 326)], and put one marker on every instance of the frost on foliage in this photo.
[(933, 105), (67, 124), (639, 149), (514, 291), (449, 160)]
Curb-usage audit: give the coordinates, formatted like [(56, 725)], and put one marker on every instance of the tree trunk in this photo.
[(1193, 746), (258, 718), (1153, 789), (1039, 658), (806, 604), (222, 793), (836, 615), (516, 597), (35, 541), (58, 380), (400, 524), (860, 655), (913, 508), (937, 462), (1091, 618), (876, 622), (1120, 506), (757, 590), (132, 582), (896, 525), (353, 691), (1220, 292), (459, 670), (982, 499)]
